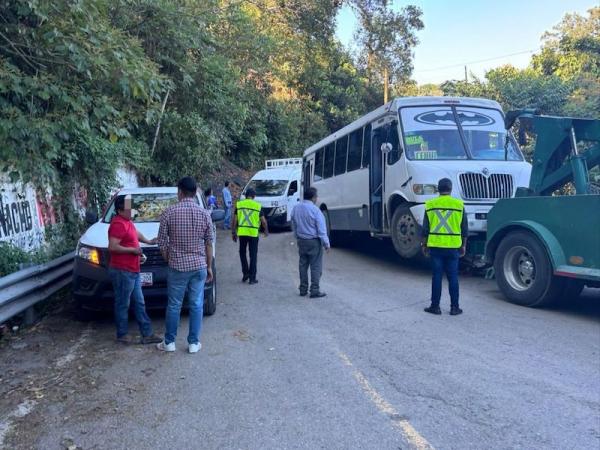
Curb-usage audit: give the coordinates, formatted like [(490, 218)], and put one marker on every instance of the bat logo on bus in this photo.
[(446, 118)]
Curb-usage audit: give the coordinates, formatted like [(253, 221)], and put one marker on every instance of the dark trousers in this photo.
[(251, 243), (311, 257), (444, 260)]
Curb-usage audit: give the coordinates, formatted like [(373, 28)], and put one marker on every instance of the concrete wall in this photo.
[(25, 212)]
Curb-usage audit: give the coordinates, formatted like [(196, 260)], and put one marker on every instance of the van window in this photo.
[(268, 188), (392, 138), (366, 159), (329, 159), (293, 188), (355, 150), (341, 154), (318, 165)]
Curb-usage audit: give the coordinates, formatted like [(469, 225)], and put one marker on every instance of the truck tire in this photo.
[(406, 233), (524, 271), (210, 297)]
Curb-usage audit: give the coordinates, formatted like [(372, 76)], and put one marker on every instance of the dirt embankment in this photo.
[(227, 171)]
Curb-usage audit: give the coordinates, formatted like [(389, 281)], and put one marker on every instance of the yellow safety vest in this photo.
[(248, 217), (445, 214)]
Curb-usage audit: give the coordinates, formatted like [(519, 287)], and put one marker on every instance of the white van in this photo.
[(277, 189)]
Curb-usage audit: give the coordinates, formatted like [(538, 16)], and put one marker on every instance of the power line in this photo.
[(475, 62)]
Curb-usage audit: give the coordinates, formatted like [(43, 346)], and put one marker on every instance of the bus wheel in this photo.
[(406, 233)]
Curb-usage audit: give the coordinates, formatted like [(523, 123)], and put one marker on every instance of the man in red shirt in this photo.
[(124, 247)]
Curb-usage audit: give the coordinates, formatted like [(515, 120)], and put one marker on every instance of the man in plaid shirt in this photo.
[(185, 240)]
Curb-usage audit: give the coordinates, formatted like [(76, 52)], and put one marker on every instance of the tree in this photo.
[(387, 39), (571, 51)]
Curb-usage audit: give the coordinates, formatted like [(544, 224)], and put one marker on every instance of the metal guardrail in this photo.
[(23, 289)]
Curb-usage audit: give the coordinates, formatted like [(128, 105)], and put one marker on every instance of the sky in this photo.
[(481, 34)]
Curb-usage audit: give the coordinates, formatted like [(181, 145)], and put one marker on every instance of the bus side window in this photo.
[(366, 156), (392, 138), (355, 150), (318, 165), (329, 160), (341, 155)]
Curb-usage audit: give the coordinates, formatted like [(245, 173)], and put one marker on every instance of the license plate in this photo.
[(146, 278)]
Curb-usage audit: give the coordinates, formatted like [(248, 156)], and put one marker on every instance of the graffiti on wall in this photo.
[(21, 219)]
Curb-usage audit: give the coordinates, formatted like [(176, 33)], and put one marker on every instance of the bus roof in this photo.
[(397, 103)]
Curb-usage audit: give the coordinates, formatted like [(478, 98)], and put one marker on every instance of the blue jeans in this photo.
[(444, 260), (227, 222), (127, 286), (178, 283)]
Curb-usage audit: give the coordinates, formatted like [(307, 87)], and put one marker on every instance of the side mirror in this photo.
[(386, 147), (91, 217), (217, 215)]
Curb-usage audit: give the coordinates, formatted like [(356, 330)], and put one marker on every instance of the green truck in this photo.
[(544, 243)]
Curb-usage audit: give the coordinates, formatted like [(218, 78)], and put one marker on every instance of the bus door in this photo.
[(307, 174), (376, 177)]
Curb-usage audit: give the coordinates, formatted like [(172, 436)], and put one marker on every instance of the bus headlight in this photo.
[(90, 254), (425, 189)]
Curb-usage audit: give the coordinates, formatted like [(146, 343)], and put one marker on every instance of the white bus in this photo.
[(375, 174)]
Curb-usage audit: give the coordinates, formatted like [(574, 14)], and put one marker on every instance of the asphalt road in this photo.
[(364, 368)]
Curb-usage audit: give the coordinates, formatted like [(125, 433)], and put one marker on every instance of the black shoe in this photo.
[(318, 295), (303, 294), (245, 278), (253, 282), (433, 310), (455, 311)]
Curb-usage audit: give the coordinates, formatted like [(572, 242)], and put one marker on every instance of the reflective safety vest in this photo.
[(445, 215), (248, 217)]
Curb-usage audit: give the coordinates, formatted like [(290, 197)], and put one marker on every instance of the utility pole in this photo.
[(385, 85), (466, 78)]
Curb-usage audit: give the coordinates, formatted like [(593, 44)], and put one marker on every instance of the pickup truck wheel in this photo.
[(524, 271), (210, 297), (406, 235)]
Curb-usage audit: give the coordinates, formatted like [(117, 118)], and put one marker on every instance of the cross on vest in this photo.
[(445, 214), (248, 217)]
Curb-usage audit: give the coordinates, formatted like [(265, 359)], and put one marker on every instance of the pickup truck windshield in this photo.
[(145, 207), (268, 188), (434, 132)]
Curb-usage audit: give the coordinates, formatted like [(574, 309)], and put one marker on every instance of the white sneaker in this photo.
[(166, 347), (193, 348)]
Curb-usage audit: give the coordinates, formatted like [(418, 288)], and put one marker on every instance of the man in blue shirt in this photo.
[(211, 200), (227, 204), (308, 223)]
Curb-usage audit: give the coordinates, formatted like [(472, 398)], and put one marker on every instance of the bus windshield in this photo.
[(434, 132), (268, 188)]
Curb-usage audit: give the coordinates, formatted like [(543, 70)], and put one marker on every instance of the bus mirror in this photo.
[(386, 147)]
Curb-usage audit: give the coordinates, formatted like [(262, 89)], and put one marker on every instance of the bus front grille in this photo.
[(476, 186)]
